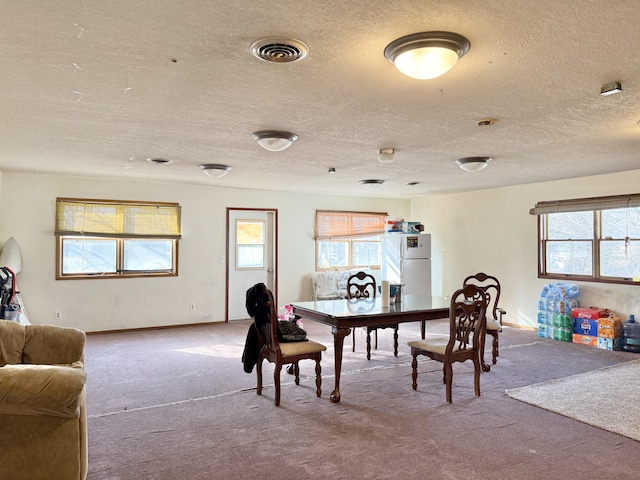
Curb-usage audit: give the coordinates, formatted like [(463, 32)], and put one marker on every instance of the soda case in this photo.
[(610, 343), (590, 312), (585, 340), (610, 327), (585, 326)]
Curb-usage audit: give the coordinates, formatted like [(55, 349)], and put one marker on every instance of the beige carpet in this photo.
[(606, 398)]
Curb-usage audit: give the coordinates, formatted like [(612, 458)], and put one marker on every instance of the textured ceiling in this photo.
[(94, 88)]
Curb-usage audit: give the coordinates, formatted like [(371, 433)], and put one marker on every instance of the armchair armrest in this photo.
[(54, 390), (53, 345)]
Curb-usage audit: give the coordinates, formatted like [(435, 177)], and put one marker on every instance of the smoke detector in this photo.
[(386, 155), (279, 49)]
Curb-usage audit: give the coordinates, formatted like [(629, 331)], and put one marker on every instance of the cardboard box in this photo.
[(410, 227), (610, 343), (610, 327), (590, 312), (585, 340), (585, 326)]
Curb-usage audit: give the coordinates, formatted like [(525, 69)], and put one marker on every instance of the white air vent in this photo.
[(279, 50), (158, 161)]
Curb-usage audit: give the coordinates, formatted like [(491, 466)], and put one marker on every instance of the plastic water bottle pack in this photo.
[(554, 310)]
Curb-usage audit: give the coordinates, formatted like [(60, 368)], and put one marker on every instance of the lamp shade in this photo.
[(473, 164), (215, 170), (274, 140), (427, 55)]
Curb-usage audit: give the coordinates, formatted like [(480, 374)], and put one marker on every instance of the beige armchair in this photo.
[(43, 422)]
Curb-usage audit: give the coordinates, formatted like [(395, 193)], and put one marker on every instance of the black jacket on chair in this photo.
[(255, 308)]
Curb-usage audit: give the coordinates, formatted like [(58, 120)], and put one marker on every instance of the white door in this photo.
[(251, 256)]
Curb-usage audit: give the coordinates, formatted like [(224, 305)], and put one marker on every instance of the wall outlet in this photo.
[(193, 306), (58, 315)]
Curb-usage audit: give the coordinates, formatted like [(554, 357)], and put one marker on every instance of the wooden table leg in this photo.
[(338, 342)]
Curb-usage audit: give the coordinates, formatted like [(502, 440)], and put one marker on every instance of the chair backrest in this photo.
[(261, 307), (467, 322), (491, 286), (361, 285)]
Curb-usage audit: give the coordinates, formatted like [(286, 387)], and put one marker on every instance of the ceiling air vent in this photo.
[(279, 50), (158, 161)]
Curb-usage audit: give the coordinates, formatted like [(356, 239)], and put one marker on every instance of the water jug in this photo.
[(631, 335)]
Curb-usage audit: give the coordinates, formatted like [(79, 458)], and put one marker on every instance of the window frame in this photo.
[(596, 206), (351, 234), (120, 239), (262, 244)]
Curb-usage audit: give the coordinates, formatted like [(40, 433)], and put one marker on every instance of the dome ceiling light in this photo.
[(427, 55), (473, 164), (274, 140), (215, 170)]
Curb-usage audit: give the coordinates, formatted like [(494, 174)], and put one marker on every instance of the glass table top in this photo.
[(346, 308)]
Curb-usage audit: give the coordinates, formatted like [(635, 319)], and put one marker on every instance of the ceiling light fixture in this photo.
[(215, 170), (473, 164), (427, 55), (611, 88), (331, 171), (274, 140), (371, 184), (386, 155)]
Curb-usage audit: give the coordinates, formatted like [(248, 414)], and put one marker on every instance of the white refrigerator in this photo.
[(406, 259)]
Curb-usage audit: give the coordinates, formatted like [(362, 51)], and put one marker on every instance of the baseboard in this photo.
[(160, 327)]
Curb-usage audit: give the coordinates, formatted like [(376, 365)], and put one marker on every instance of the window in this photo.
[(250, 244), (107, 239), (348, 239), (594, 239)]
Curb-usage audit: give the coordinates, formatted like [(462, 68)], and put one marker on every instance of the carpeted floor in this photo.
[(605, 398), (176, 404)]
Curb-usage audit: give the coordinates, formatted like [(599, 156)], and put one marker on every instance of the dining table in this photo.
[(343, 315)]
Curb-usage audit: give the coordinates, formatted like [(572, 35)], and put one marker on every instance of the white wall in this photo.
[(27, 213), (492, 231), (488, 230)]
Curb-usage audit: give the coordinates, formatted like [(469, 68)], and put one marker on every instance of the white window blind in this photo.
[(586, 204)]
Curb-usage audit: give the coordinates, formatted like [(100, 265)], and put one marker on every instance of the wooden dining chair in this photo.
[(467, 323), (261, 306), (491, 287), (362, 286)]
